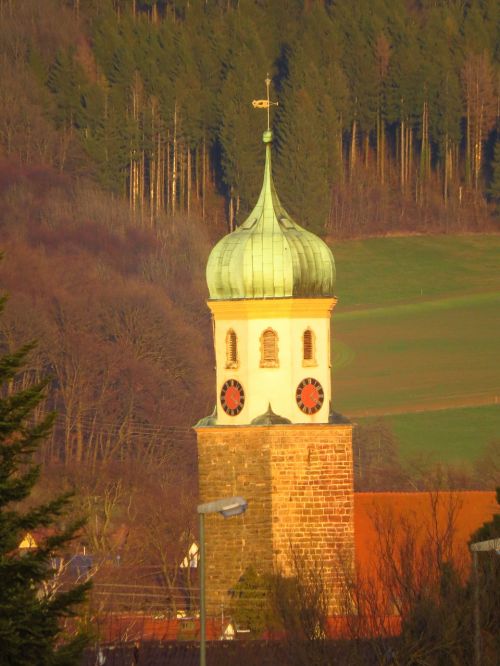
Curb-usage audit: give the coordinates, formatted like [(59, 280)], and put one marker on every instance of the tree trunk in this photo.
[(424, 151), (446, 170), (382, 153), (79, 440), (182, 177), (478, 144), (159, 178), (188, 193), (197, 172), (352, 161), (131, 183), (341, 151), (402, 154), (174, 164), (152, 182), (169, 206), (203, 177), (142, 183), (409, 152), (468, 152)]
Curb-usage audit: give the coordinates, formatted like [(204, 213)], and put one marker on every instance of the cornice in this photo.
[(272, 308)]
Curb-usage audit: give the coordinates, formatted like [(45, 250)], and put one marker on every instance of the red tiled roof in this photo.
[(423, 519), (472, 508)]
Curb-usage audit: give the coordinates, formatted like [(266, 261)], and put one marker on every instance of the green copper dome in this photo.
[(269, 255)]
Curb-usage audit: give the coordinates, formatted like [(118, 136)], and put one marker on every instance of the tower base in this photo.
[(298, 481)]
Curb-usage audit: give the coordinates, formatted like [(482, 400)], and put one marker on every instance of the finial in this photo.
[(265, 103), (268, 83)]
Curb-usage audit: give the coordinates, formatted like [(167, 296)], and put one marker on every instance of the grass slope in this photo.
[(377, 271), (416, 329), (407, 358), (461, 433)]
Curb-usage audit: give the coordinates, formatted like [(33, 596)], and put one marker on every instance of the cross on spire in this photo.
[(265, 103)]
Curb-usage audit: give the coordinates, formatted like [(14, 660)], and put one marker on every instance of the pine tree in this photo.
[(30, 616), (67, 82), (356, 25), (405, 97), (445, 105), (240, 125), (480, 25), (106, 140), (314, 64), (302, 167)]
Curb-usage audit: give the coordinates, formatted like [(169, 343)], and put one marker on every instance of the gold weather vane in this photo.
[(265, 103)]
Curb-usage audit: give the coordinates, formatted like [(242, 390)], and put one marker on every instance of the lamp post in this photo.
[(227, 507), (488, 546)]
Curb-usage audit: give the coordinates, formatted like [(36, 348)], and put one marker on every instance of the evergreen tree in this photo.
[(241, 126), (252, 604), (30, 614), (105, 40), (315, 65), (357, 26), (441, 126), (302, 171), (106, 141), (480, 27), (66, 80)]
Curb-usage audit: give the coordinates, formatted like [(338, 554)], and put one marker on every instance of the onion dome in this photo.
[(269, 255)]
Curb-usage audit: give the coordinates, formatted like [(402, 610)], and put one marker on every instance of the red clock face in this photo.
[(232, 397), (309, 396)]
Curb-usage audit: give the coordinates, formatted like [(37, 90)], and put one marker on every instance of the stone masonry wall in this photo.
[(298, 482), (313, 502), (234, 461)]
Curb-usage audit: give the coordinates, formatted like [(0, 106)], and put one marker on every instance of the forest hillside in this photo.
[(387, 117)]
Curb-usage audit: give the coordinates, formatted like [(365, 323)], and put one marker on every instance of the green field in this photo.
[(417, 329), (461, 433), (379, 271)]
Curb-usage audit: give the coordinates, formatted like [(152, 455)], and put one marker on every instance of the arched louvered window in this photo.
[(269, 349), (231, 349), (308, 350)]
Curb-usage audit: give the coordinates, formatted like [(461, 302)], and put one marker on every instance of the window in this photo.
[(231, 349), (269, 349), (308, 351)]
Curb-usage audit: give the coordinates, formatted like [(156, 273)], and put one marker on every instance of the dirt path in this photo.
[(446, 402)]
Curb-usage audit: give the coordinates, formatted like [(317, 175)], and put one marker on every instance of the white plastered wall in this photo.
[(275, 386)]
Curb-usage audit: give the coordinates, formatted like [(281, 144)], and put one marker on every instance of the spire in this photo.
[(268, 205)]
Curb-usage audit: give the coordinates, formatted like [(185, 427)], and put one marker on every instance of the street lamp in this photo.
[(227, 507), (488, 546)]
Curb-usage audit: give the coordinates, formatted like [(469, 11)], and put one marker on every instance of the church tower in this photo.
[(273, 437)]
